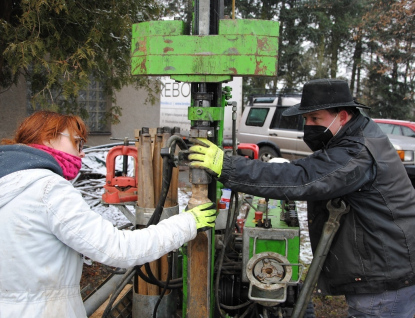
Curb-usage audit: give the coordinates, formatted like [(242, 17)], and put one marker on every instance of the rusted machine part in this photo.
[(329, 231), (165, 137), (198, 277), (147, 187), (268, 275), (174, 186), (146, 200), (157, 163), (140, 285), (157, 176), (172, 196)]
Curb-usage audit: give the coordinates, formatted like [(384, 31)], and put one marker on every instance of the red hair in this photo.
[(46, 125)]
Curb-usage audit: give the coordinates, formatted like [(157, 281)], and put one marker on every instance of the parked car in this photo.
[(405, 146), (262, 124), (396, 127)]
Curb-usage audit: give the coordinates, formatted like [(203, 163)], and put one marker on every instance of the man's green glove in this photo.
[(206, 155), (205, 216)]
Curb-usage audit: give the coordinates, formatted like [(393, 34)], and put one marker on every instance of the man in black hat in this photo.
[(372, 258)]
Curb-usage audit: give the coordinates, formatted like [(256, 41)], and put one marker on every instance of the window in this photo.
[(386, 128), (257, 116), (94, 100), (392, 129), (285, 122), (406, 131)]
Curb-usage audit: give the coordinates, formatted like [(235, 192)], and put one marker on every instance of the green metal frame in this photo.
[(273, 245), (242, 48)]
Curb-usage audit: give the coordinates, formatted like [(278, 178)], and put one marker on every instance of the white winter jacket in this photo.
[(45, 226)]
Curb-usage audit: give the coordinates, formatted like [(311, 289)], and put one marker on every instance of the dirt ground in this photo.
[(92, 277), (330, 306)]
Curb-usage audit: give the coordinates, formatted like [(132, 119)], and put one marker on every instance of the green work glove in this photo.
[(206, 155), (205, 216)]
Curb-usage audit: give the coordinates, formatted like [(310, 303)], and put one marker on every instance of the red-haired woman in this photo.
[(45, 224)]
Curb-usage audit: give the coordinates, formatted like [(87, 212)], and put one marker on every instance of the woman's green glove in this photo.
[(206, 155), (205, 216)]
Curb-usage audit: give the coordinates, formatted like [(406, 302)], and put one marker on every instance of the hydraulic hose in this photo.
[(126, 278), (231, 220), (136, 270), (155, 218), (172, 284), (164, 289), (167, 174)]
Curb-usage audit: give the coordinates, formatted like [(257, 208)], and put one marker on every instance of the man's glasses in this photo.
[(79, 140)]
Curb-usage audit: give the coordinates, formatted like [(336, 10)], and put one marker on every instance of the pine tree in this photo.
[(390, 30), (59, 45)]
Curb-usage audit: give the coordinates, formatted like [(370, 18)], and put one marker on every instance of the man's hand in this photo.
[(205, 216), (206, 155)]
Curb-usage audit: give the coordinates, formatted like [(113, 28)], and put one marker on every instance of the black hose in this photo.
[(164, 289), (116, 271), (248, 311), (155, 218), (166, 180), (167, 174), (230, 222), (127, 277), (237, 306), (172, 284)]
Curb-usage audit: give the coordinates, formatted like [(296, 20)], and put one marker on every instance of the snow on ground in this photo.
[(92, 179), (306, 255)]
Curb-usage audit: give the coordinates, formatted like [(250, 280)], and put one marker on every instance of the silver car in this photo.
[(405, 146), (262, 124)]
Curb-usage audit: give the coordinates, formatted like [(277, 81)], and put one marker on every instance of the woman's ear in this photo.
[(48, 143)]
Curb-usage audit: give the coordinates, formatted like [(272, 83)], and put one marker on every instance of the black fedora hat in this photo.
[(323, 94)]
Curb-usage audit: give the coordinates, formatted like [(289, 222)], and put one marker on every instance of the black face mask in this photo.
[(316, 137)]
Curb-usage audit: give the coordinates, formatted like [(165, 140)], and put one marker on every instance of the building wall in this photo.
[(13, 108), (135, 113)]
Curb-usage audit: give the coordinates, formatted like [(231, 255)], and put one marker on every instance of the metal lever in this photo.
[(336, 209)]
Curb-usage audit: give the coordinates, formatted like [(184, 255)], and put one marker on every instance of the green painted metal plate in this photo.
[(202, 78), (272, 245), (205, 113), (242, 48)]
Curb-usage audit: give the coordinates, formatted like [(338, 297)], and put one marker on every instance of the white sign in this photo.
[(175, 101)]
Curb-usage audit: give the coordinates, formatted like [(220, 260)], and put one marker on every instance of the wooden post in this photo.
[(157, 164)]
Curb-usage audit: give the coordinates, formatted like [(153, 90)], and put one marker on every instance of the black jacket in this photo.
[(374, 249)]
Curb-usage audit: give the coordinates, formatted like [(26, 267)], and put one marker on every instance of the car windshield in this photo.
[(392, 129)]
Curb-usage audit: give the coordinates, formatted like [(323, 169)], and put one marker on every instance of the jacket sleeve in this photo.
[(76, 225), (326, 174)]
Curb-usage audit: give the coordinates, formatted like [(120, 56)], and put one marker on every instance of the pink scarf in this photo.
[(70, 164)]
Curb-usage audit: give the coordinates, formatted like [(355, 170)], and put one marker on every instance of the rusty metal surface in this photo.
[(198, 279), (157, 165), (242, 48)]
